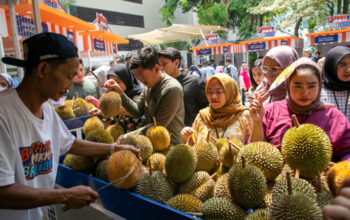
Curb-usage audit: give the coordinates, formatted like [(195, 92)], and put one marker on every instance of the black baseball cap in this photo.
[(45, 46)]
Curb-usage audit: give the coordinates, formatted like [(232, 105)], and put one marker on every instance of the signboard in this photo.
[(204, 52), (267, 31), (114, 47), (225, 49), (70, 36), (339, 21), (326, 39), (99, 45), (257, 46), (101, 22), (26, 26), (212, 38)]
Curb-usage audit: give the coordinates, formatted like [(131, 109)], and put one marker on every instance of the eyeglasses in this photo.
[(217, 93), (343, 66), (271, 70)]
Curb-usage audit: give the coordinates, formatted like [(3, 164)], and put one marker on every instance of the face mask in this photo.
[(2, 89)]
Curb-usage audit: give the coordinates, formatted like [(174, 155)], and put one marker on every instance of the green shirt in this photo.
[(88, 87), (164, 102)]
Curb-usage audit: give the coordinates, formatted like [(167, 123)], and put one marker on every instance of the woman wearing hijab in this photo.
[(195, 71), (224, 118), (6, 82), (125, 79), (336, 79), (273, 64), (303, 83)]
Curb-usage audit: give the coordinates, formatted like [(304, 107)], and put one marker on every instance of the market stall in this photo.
[(218, 49), (337, 33), (267, 38)]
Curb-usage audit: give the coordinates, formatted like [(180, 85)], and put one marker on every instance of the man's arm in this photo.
[(18, 196), (135, 108)]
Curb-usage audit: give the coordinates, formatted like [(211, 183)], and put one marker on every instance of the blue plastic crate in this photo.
[(121, 202), (75, 123)]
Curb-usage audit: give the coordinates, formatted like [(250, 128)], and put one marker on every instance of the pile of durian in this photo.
[(228, 180)]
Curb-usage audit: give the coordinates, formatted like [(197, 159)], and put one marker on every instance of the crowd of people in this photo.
[(194, 104)]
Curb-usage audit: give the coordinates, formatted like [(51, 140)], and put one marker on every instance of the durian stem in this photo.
[(319, 188), (295, 121), (233, 145), (243, 162), (289, 184), (213, 176), (195, 214), (297, 173), (155, 121)]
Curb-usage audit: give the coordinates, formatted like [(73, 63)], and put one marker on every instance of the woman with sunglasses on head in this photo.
[(273, 64), (224, 118), (304, 84), (336, 79)]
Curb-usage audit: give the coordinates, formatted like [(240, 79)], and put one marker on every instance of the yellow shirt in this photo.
[(241, 129)]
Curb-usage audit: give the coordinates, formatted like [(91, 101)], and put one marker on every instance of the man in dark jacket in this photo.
[(194, 87)]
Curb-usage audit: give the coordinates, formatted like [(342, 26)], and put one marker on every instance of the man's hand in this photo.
[(112, 85), (79, 196), (128, 147), (340, 210)]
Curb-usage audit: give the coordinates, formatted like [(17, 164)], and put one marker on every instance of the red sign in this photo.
[(266, 31), (101, 22), (339, 21)]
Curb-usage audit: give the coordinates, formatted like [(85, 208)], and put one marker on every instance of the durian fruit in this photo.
[(91, 106), (80, 107), (82, 163), (157, 162), (144, 170), (207, 156), (99, 135), (294, 205), (220, 143), (142, 143), (259, 214), (200, 185), (336, 176), (185, 203), (102, 171), (68, 102), (298, 185), (115, 131), (155, 186), (110, 103), (268, 195), (159, 136), (68, 160), (247, 185), (265, 156), (65, 112), (91, 124), (120, 164), (228, 153), (222, 208), (307, 148), (221, 187), (180, 163)]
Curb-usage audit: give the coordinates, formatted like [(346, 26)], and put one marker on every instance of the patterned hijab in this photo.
[(317, 103), (232, 108)]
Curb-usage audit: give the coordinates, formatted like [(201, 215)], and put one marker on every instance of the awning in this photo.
[(216, 49), (329, 37), (175, 33), (105, 35)]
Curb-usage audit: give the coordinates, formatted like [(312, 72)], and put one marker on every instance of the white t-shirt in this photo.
[(29, 148)]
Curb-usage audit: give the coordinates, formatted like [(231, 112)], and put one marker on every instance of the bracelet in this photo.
[(112, 149)]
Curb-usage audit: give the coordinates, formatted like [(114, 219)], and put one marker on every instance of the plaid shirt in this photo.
[(338, 98)]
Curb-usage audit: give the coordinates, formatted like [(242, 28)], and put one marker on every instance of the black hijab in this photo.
[(330, 77), (127, 77)]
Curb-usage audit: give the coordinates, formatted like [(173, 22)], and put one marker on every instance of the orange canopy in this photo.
[(327, 32), (214, 45), (105, 35), (269, 39)]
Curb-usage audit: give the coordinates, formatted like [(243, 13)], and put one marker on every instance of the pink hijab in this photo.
[(317, 103), (284, 56)]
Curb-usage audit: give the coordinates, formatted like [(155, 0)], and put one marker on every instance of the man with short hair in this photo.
[(231, 70), (112, 62), (161, 98), (208, 71), (32, 136), (84, 86), (194, 87)]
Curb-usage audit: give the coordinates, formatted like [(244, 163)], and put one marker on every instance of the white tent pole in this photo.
[(2, 54), (37, 18), (203, 37), (15, 39)]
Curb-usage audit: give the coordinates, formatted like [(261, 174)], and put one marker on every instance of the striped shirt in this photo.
[(339, 99)]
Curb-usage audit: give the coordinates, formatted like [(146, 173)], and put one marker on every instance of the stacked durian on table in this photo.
[(228, 180)]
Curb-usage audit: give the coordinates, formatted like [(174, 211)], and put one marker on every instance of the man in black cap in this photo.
[(32, 136)]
